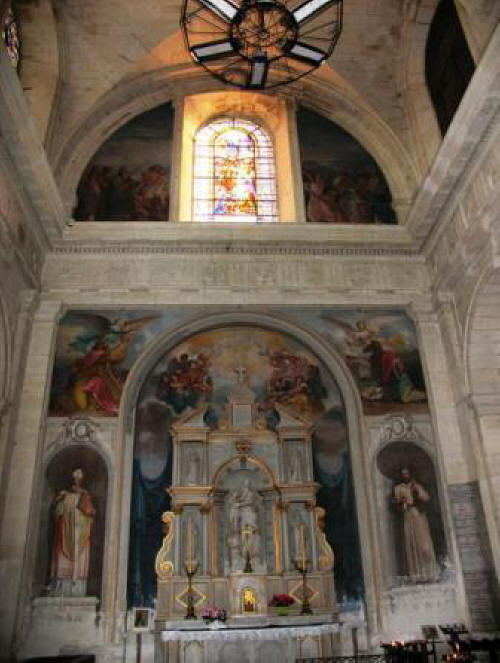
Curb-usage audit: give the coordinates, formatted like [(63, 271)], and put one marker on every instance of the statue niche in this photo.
[(247, 496), (242, 494)]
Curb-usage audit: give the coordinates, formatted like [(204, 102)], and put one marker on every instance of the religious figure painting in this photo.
[(380, 348), (342, 182), (93, 357), (128, 179), (96, 349)]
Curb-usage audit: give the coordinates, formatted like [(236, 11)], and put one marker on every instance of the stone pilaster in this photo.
[(18, 528)]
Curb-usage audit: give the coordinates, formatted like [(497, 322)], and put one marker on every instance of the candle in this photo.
[(302, 546), (190, 545)]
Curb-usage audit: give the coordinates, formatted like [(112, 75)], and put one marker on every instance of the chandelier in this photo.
[(260, 44)]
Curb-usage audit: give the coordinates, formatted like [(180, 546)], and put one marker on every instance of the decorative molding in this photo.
[(400, 428), (231, 248), (77, 430), (80, 430)]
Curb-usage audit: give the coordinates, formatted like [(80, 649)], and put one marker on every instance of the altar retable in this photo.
[(251, 519)]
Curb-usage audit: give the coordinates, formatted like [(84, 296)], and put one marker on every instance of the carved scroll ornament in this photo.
[(163, 565)]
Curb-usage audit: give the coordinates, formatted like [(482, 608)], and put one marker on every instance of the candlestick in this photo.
[(190, 572), (302, 545), (190, 544)]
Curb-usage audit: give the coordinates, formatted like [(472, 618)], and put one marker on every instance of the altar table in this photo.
[(236, 644)]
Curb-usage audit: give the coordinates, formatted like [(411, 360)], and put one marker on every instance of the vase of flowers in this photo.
[(213, 613), (282, 603)]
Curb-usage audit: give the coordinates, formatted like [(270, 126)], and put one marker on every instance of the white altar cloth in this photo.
[(231, 634)]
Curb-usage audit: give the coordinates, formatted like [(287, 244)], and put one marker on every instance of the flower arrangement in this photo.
[(281, 601), (212, 612)]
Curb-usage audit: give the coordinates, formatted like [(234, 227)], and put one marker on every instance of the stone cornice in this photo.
[(234, 248)]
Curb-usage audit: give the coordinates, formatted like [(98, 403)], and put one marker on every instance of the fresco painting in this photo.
[(128, 179), (94, 355), (342, 182), (96, 351)]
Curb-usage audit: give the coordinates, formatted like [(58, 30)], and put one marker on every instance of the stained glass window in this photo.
[(234, 177), (10, 33)]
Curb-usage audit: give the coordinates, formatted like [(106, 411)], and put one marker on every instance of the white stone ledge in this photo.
[(381, 236)]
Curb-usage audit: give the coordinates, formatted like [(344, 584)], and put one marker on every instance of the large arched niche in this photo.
[(132, 97), (61, 461), (128, 177), (331, 368), (391, 459)]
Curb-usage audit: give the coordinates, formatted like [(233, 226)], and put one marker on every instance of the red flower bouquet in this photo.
[(281, 601)]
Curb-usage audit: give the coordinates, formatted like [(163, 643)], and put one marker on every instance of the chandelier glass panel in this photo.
[(260, 44)]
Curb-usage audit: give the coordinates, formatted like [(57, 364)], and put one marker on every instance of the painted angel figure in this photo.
[(383, 360), (96, 385)]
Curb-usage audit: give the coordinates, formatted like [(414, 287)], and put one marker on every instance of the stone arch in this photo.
[(395, 430), (42, 58), (5, 357), (345, 382), (425, 133), (68, 436), (144, 92), (258, 462), (392, 456), (58, 463), (482, 335)]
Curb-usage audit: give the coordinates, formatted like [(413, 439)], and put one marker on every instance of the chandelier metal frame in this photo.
[(261, 44)]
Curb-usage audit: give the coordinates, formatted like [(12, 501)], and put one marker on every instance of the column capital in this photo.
[(422, 311), (49, 311)]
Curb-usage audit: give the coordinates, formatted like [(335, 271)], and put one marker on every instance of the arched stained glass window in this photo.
[(234, 177)]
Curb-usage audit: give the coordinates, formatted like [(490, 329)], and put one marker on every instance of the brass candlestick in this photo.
[(190, 572), (301, 567)]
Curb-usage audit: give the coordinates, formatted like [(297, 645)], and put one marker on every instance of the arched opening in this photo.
[(233, 172), (190, 378), (128, 177), (72, 524), (448, 63), (410, 515), (342, 182), (5, 358)]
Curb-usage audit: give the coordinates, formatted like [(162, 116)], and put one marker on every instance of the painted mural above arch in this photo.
[(342, 182), (128, 178), (95, 351)]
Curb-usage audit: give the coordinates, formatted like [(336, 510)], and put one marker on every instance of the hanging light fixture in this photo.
[(260, 44)]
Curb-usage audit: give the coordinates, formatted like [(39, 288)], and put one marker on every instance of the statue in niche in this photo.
[(418, 549), (192, 467), (295, 464), (74, 516), (243, 517)]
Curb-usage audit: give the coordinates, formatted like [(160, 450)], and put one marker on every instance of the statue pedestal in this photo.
[(61, 625)]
